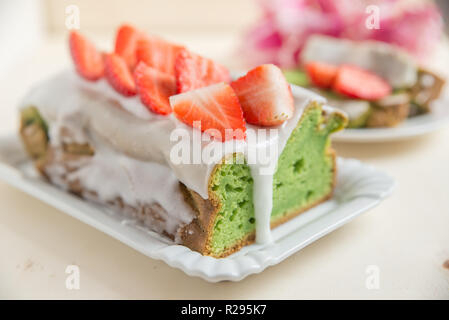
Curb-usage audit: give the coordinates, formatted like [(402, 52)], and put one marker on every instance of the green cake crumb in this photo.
[(304, 176)]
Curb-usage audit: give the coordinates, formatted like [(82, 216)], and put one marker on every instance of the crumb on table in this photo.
[(446, 264)]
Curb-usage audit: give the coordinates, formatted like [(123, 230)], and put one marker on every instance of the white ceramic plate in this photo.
[(359, 188), (412, 127)]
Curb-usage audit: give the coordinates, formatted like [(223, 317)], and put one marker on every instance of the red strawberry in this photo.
[(158, 53), (216, 107), (321, 74), (126, 44), (194, 71), (358, 83), (265, 96), (88, 61), (154, 87), (118, 75)]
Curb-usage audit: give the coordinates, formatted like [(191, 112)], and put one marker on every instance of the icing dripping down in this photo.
[(263, 204), (263, 175)]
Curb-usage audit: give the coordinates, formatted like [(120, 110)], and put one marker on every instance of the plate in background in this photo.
[(410, 128)]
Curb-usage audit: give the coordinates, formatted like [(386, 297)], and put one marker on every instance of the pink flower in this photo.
[(418, 30), (286, 24)]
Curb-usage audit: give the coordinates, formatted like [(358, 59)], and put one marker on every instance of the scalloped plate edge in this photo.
[(370, 187)]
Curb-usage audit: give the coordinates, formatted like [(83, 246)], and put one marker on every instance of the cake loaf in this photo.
[(124, 132), (375, 83)]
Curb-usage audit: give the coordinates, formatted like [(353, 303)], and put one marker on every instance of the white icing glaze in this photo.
[(112, 174), (138, 142)]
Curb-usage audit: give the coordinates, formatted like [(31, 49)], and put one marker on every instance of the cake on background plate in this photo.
[(375, 83), (111, 131)]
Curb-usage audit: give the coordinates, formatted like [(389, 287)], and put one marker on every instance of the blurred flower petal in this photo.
[(286, 24)]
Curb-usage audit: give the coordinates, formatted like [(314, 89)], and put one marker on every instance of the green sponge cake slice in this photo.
[(304, 177)]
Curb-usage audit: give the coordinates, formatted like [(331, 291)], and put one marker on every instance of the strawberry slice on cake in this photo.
[(126, 44), (154, 87), (158, 53), (358, 83), (265, 96), (87, 59), (216, 107), (194, 71), (321, 74), (118, 75)]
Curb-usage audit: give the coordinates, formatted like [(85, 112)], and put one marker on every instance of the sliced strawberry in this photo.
[(88, 61), (265, 96), (118, 75), (126, 44), (158, 53), (217, 109), (154, 87), (194, 71), (358, 83), (321, 74)]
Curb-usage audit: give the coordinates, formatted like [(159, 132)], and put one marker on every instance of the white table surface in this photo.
[(406, 237)]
